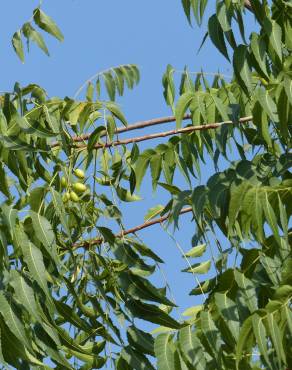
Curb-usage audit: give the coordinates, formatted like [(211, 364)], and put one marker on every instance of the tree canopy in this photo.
[(72, 291)]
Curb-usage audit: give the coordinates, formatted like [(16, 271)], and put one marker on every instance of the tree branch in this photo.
[(134, 126), (248, 6), (163, 134), (89, 243)]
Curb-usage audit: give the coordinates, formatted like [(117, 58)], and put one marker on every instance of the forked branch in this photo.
[(163, 134)]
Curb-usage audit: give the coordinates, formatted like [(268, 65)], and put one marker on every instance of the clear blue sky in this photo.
[(103, 33)]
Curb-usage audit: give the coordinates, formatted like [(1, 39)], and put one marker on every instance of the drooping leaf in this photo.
[(47, 24)]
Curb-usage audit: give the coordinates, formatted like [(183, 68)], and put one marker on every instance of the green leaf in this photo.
[(34, 260), (222, 109), (110, 85), (25, 295), (191, 348), (241, 68), (267, 103), (59, 209), (261, 337), (136, 359), (45, 234), (140, 288), (140, 340), (211, 332), (248, 290), (244, 337), (217, 36), (193, 311), (126, 196), (167, 358), (47, 24), (276, 335), (153, 212), (31, 34), (197, 251), (228, 311), (181, 107), (18, 45), (115, 110), (107, 234), (14, 143), (151, 313), (89, 91), (288, 88), (258, 49), (199, 268), (94, 137), (69, 314), (13, 322), (274, 33)]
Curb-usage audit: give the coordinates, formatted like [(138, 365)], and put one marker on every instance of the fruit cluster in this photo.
[(74, 190)]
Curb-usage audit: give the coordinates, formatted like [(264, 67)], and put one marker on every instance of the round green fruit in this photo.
[(66, 197), (74, 197), (79, 173), (79, 188), (63, 182)]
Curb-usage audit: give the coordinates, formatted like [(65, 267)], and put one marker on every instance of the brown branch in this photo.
[(164, 134), (86, 244), (248, 6), (134, 126)]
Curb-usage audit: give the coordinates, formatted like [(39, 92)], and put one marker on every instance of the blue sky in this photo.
[(104, 33)]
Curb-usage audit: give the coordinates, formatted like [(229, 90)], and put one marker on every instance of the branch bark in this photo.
[(164, 134), (134, 126), (133, 230), (248, 6)]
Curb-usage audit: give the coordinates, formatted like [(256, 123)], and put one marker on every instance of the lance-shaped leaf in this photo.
[(241, 68), (274, 32), (25, 295), (248, 290), (18, 45), (229, 313), (31, 34), (136, 359), (151, 313), (197, 251), (167, 356), (191, 348), (267, 103), (261, 337), (115, 110), (182, 106), (140, 340), (199, 268), (13, 322), (34, 260), (45, 234), (140, 288), (258, 49), (216, 35), (47, 24)]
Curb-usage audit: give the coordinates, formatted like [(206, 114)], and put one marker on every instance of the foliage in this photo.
[(73, 291)]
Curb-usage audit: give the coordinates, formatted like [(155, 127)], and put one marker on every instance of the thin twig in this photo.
[(86, 244), (134, 126), (90, 79), (163, 134)]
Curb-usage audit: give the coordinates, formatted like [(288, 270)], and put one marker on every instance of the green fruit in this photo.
[(79, 188), (74, 197), (79, 173), (63, 182), (66, 197)]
